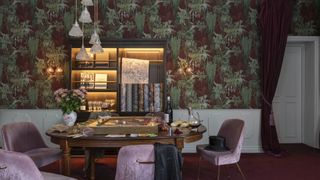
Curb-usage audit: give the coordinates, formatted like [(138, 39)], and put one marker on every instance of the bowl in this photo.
[(195, 123)]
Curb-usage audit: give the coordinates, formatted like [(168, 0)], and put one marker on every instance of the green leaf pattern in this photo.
[(218, 39)]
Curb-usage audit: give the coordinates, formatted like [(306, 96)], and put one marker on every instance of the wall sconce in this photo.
[(184, 67), (189, 70), (185, 71), (54, 71)]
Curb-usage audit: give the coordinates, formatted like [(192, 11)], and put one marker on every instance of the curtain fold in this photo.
[(274, 20)]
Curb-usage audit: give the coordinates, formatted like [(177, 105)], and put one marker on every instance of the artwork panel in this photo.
[(135, 71)]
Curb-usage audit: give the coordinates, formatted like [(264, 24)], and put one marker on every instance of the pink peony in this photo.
[(58, 99)]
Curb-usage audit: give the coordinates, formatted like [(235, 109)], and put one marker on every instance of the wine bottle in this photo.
[(168, 111)]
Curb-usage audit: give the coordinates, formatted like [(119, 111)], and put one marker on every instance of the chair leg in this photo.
[(218, 176), (60, 166), (198, 167), (243, 177)]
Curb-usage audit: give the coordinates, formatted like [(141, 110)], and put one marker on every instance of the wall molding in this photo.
[(212, 119)]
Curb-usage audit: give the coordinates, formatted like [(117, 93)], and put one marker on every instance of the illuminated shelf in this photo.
[(102, 74), (101, 90), (93, 69)]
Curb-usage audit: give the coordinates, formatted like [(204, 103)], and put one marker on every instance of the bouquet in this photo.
[(70, 100)]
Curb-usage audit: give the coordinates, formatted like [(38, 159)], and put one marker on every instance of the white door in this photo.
[(287, 100)]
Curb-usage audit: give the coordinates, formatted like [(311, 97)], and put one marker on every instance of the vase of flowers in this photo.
[(70, 101)]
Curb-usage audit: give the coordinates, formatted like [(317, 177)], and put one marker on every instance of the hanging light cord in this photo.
[(76, 9), (83, 34), (96, 13)]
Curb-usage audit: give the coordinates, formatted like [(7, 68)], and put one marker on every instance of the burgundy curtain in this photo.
[(275, 18)]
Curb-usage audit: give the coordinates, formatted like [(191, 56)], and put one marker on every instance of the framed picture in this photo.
[(135, 71)]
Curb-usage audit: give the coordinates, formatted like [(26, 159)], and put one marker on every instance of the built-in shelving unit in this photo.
[(108, 75)]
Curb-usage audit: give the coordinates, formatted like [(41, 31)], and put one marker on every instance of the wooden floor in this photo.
[(298, 162)]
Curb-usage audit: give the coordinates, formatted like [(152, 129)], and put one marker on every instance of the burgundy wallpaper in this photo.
[(218, 40)]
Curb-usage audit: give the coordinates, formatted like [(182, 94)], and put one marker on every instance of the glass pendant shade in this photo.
[(75, 31), (94, 37), (83, 55), (96, 48), (87, 2), (85, 16)]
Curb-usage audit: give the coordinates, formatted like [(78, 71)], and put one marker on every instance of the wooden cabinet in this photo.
[(113, 77)]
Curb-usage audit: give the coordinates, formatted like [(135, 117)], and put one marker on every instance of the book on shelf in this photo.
[(100, 81), (87, 80)]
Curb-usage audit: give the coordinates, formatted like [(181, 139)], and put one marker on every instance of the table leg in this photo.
[(179, 144), (89, 164), (92, 164), (65, 157), (86, 168)]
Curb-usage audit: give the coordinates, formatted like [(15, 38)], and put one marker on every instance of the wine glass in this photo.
[(90, 104)]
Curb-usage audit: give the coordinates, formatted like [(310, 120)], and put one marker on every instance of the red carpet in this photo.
[(298, 163)]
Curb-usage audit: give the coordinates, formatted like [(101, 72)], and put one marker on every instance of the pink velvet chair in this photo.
[(232, 130), (25, 138), (18, 166), (136, 162)]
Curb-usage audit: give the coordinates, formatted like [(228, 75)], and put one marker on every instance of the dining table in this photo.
[(100, 141)]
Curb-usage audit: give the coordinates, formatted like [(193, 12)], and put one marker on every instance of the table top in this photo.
[(188, 137)]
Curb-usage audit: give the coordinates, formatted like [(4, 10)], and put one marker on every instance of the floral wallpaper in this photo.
[(218, 40)]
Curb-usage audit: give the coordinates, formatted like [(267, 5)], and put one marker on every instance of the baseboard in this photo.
[(252, 149), (246, 149)]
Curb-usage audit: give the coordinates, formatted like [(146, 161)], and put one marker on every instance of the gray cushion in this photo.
[(44, 156)]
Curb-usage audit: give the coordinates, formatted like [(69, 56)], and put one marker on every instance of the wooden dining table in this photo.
[(94, 142)]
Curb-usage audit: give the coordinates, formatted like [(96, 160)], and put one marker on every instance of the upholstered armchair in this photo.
[(136, 162), (149, 162), (18, 166), (25, 138), (232, 130)]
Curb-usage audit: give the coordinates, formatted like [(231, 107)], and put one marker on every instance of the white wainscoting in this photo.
[(43, 119), (212, 119)]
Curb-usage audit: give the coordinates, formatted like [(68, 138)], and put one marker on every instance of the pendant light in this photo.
[(85, 16), (95, 39), (75, 31), (82, 54), (87, 2), (96, 48)]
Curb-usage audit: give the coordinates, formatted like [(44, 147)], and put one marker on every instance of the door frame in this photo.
[(310, 136), (282, 128)]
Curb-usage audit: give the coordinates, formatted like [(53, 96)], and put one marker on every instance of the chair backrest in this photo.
[(18, 166), (232, 130), (135, 162), (21, 137)]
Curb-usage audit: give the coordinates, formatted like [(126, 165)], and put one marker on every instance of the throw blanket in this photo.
[(168, 162)]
